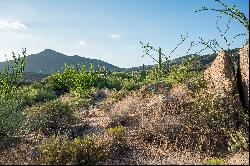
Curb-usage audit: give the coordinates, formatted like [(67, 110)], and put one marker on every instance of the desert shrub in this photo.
[(49, 117), (118, 143), (117, 131), (153, 128), (196, 83), (179, 75), (80, 80), (79, 151), (81, 103), (51, 82), (113, 97), (131, 85), (213, 118), (114, 83), (237, 141), (83, 80), (159, 122), (12, 75), (214, 162), (11, 117), (187, 72), (44, 95), (153, 75), (122, 75), (30, 94), (156, 88)]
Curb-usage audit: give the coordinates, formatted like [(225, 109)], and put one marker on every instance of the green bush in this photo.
[(12, 75), (81, 80), (114, 83), (49, 117), (214, 162), (187, 72), (118, 144), (31, 94), (11, 117), (196, 83), (117, 95), (237, 141), (85, 151), (81, 102), (116, 132), (122, 75), (215, 118), (131, 85)]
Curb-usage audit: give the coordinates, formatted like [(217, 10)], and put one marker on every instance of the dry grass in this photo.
[(155, 131)]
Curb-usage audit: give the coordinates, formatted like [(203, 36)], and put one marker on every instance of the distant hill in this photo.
[(205, 60), (50, 61)]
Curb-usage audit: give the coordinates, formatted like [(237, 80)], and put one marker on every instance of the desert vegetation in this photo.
[(88, 115)]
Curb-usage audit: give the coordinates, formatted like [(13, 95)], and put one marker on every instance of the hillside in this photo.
[(90, 118), (50, 61)]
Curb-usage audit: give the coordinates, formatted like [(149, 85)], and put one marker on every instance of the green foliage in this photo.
[(116, 132), (32, 94), (80, 80), (11, 117), (117, 95), (214, 117), (114, 82), (196, 83), (131, 85), (80, 103), (119, 142), (11, 76), (86, 151), (237, 142), (49, 117), (184, 72), (214, 162)]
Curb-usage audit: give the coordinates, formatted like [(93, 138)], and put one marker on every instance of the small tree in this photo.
[(12, 75)]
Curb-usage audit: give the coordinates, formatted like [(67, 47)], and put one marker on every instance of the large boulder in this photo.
[(244, 74), (220, 76)]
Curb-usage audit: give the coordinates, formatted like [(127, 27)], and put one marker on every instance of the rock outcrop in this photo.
[(222, 80), (244, 74), (220, 77)]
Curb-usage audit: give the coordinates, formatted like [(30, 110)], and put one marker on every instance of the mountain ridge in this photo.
[(50, 61)]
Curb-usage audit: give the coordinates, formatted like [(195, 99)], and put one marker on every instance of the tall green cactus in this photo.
[(160, 59), (143, 73)]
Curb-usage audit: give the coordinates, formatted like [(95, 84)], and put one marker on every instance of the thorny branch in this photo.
[(147, 48), (233, 12)]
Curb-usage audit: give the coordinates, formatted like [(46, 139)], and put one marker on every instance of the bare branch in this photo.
[(182, 40)]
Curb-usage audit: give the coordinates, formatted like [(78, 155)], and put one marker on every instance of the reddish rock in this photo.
[(244, 72), (220, 77)]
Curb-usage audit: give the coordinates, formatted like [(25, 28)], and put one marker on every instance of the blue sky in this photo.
[(109, 30)]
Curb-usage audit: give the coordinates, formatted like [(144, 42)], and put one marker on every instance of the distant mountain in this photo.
[(50, 61)]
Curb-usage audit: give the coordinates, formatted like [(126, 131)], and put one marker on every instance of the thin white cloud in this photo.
[(82, 43), (11, 25), (115, 36)]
